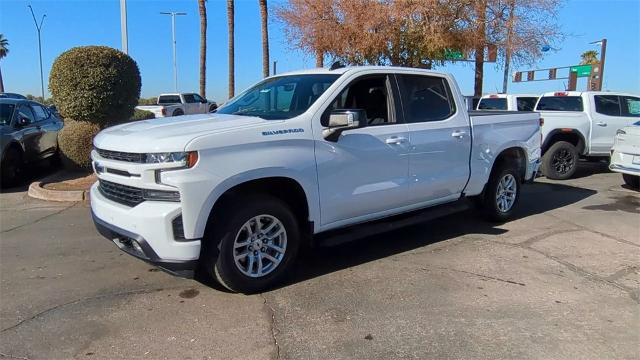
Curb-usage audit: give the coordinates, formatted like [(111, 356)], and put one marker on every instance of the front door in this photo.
[(607, 119), (440, 137), (363, 173)]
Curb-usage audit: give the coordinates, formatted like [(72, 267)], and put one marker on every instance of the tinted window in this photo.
[(526, 103), (281, 97), (630, 106), (189, 98), (169, 99), (25, 112), (198, 98), (492, 104), (425, 98), (40, 112), (369, 94), (6, 112), (607, 104), (560, 103)]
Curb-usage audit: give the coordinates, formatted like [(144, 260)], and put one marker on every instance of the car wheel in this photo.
[(177, 113), (11, 167), (632, 180), (501, 194), (212, 108), (253, 245), (560, 161)]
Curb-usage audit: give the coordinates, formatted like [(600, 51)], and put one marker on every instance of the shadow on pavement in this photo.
[(588, 168), (31, 173), (535, 199)]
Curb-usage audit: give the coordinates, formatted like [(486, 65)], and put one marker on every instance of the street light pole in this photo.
[(38, 28), (173, 37), (123, 26)]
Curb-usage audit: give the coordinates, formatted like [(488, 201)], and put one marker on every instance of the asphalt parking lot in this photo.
[(561, 281)]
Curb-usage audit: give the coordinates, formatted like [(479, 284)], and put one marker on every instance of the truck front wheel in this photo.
[(257, 241), (560, 161), (501, 194)]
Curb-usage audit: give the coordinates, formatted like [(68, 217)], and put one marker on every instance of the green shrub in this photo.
[(142, 115), (95, 83), (76, 141), (148, 101)]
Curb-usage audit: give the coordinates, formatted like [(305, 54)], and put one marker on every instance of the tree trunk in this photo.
[(481, 8), (319, 58), (1, 83), (230, 20), (265, 37), (203, 48), (507, 50)]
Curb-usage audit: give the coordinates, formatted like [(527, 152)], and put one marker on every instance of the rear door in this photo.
[(440, 138), (30, 134), (191, 106), (608, 117), (49, 127)]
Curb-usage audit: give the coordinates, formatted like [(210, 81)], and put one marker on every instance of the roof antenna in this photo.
[(336, 65)]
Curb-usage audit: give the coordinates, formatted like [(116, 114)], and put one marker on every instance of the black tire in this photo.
[(177, 112), (488, 201), (55, 160), (632, 180), (560, 161), (11, 167), (219, 252), (212, 108)]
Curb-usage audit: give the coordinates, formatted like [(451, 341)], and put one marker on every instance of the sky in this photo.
[(71, 23)]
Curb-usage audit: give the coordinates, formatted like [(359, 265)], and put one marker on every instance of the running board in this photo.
[(343, 235)]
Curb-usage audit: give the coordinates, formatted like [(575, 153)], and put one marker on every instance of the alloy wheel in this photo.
[(260, 246), (506, 193)]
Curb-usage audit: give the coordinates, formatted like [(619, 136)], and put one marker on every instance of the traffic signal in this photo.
[(517, 76), (552, 74), (493, 52), (530, 75)]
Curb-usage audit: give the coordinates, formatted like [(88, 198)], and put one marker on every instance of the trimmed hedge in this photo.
[(142, 115), (98, 84), (76, 141)]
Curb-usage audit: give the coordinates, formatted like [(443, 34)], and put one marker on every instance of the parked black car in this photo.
[(28, 133)]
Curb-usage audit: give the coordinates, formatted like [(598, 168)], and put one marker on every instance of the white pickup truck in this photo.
[(303, 158), (180, 104), (583, 124), (511, 102)]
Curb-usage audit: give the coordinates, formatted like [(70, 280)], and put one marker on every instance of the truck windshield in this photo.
[(560, 103), (280, 97), (6, 112), (493, 104)]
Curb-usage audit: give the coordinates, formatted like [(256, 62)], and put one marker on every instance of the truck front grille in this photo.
[(123, 194), (122, 156)]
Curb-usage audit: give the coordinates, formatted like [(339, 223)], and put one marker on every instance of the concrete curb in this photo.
[(37, 191)]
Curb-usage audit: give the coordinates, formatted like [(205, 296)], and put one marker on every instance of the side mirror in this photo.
[(23, 121), (341, 120)]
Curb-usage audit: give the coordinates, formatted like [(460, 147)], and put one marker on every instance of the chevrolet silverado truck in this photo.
[(581, 124), (179, 104), (301, 159)]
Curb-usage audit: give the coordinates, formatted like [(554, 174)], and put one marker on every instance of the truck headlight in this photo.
[(189, 158)]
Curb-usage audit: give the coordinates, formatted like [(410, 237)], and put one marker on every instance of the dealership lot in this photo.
[(561, 281)]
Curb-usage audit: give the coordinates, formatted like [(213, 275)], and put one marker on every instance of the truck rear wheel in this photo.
[(256, 242), (177, 113), (501, 194), (632, 180), (560, 161)]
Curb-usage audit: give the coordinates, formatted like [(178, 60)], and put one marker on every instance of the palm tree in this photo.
[(4, 50), (230, 20), (203, 48), (589, 57), (265, 37)]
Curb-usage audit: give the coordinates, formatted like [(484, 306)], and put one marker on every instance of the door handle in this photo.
[(458, 134), (395, 140), (600, 123)]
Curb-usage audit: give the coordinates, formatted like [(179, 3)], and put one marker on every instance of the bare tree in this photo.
[(231, 28), (265, 37), (203, 48)]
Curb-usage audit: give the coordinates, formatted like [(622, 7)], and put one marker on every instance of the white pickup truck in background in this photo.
[(510, 102), (583, 124), (305, 157), (180, 104)]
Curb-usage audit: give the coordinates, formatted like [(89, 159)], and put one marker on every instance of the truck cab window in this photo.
[(630, 106), (526, 103), (189, 98), (607, 104), (425, 98), (369, 94)]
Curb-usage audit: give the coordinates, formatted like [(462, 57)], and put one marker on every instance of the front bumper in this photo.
[(624, 163), (136, 245)]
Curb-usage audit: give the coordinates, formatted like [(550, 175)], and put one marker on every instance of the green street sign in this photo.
[(451, 54), (581, 70)]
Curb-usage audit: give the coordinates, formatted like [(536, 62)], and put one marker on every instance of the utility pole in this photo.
[(173, 37), (507, 52), (603, 52), (123, 26), (38, 28)]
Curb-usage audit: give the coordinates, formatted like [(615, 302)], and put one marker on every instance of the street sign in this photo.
[(451, 54), (581, 70)]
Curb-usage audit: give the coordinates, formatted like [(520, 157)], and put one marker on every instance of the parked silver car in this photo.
[(28, 132)]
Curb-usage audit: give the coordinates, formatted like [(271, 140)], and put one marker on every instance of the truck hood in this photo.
[(172, 133)]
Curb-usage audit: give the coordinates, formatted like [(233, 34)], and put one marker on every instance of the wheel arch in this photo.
[(12, 145), (514, 154), (572, 136)]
